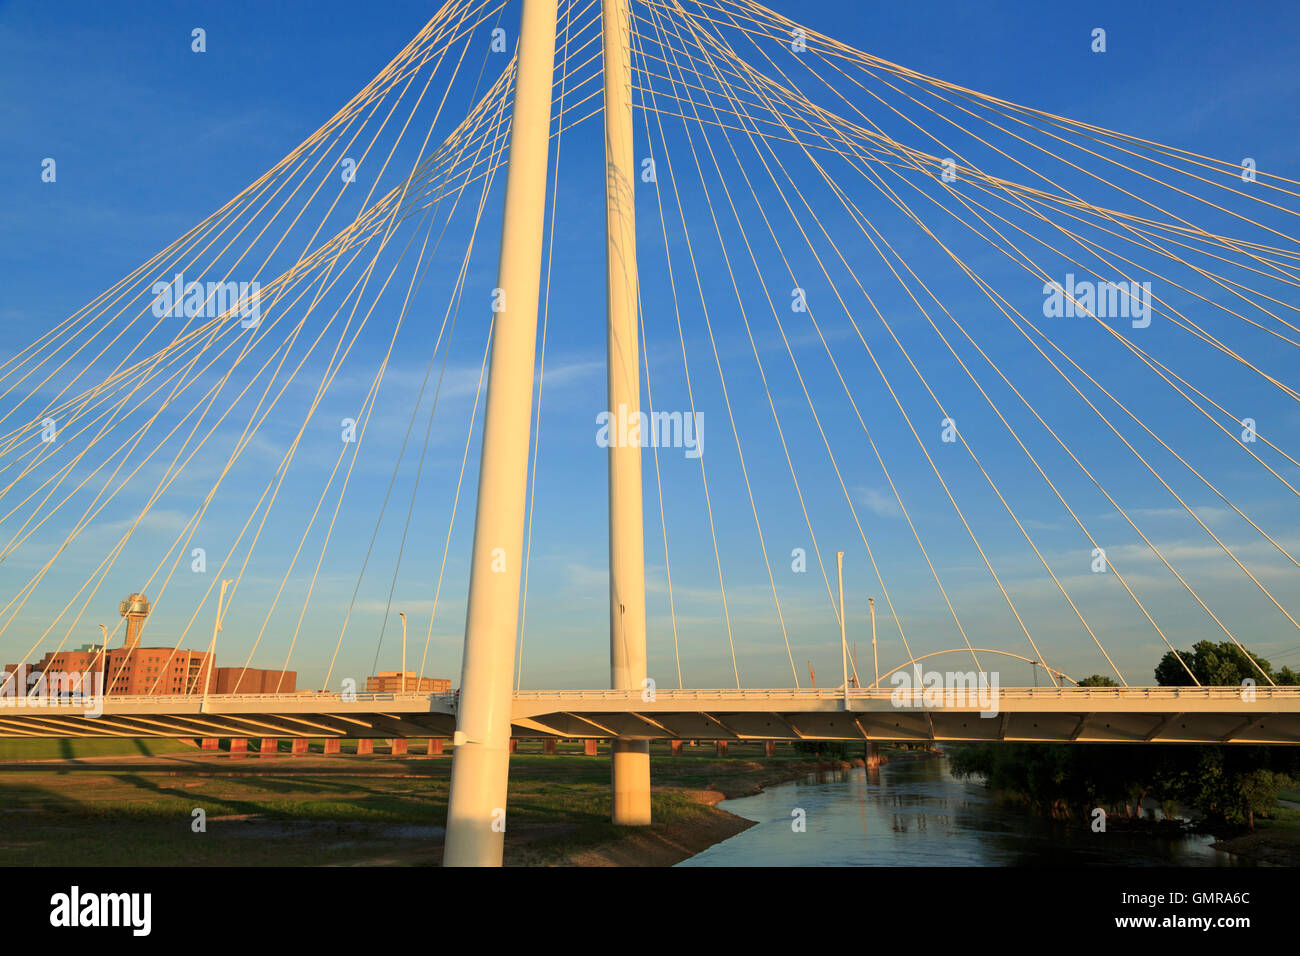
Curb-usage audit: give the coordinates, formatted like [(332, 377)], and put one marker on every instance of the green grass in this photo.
[(315, 810), (79, 748), (1280, 818)]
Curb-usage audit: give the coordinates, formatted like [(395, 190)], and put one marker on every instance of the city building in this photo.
[(135, 670), (390, 682), (239, 680)]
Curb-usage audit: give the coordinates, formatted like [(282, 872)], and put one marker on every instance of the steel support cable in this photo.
[(277, 295), (1026, 262), (834, 464), (360, 281), (1170, 489), (347, 617), (880, 460), (1029, 143), (1285, 276), (726, 394), (1115, 504), (860, 219), (401, 549), (992, 484), (866, 543), (763, 374), (1151, 243), (1235, 243), (342, 453), (850, 53), (1099, 209), (920, 444), (1010, 511), (1244, 569), (341, 249), (259, 184), (283, 205), (469, 434), (249, 430), (690, 391), (536, 436), (637, 49), (1146, 358), (420, 65), (283, 471), (351, 230)]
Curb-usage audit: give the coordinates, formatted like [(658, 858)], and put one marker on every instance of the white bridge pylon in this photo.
[(481, 760)]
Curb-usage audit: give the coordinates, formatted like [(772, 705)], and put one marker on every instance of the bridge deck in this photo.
[(1265, 715)]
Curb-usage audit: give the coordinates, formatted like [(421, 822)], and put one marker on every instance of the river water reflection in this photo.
[(916, 813)]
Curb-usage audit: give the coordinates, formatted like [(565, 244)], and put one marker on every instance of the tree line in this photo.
[(1226, 786)]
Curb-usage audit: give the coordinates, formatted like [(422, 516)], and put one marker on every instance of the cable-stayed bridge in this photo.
[(1026, 379)]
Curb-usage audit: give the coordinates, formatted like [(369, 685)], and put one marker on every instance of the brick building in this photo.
[(238, 680), (390, 682), (135, 670)]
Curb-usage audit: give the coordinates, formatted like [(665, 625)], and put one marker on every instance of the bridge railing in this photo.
[(326, 698), (885, 693)]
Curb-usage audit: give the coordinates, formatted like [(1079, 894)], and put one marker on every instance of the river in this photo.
[(916, 813)]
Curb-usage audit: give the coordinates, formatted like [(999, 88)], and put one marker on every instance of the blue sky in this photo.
[(150, 137)]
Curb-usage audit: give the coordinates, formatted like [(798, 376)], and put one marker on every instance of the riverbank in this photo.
[(684, 801), (358, 810), (1275, 841)]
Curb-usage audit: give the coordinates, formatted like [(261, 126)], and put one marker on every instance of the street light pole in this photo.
[(875, 661), (844, 644), (212, 645), (403, 617)]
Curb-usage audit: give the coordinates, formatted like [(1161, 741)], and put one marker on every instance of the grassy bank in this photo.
[(107, 808), (1275, 839)]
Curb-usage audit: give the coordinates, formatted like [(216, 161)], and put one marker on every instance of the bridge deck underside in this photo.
[(822, 720), (925, 726)]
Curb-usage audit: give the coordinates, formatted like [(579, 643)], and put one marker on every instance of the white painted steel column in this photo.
[(627, 653), (481, 763)]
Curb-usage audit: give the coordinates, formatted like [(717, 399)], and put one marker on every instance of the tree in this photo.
[(1098, 680), (1214, 665)]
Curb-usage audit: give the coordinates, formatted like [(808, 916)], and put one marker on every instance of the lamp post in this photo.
[(844, 644), (212, 645), (403, 617), (875, 661)]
